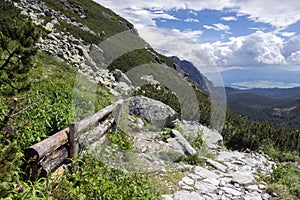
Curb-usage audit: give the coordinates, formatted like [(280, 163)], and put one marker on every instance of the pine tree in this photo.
[(17, 48)]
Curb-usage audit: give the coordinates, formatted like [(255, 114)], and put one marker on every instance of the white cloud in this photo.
[(287, 34), (191, 20), (292, 45), (193, 13), (257, 49), (254, 50), (217, 27), (264, 84), (294, 58), (229, 18), (208, 27), (277, 13)]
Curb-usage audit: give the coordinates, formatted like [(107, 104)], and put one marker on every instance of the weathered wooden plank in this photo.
[(117, 117), (85, 123), (47, 146), (53, 161), (73, 140)]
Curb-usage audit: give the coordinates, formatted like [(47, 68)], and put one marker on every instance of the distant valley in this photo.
[(280, 107)]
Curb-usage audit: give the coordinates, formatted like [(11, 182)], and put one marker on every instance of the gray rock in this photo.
[(49, 26), (187, 148), (265, 196), (167, 197), (173, 143), (212, 137), (252, 196), (96, 49), (106, 15), (90, 62), (188, 180), (242, 178), (121, 77), (124, 89), (155, 112), (222, 183), (124, 24), (66, 4), (231, 191), (217, 165), (204, 173), (212, 181), (79, 10), (205, 187), (140, 123), (185, 195), (252, 187)]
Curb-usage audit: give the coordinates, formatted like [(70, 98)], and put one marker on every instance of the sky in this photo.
[(248, 43)]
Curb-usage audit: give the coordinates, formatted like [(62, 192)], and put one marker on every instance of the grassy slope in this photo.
[(262, 108)]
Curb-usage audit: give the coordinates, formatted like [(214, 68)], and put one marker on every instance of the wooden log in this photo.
[(85, 123), (53, 161), (47, 146), (117, 117), (73, 140)]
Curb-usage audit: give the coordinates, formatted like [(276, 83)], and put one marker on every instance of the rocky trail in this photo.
[(225, 174)]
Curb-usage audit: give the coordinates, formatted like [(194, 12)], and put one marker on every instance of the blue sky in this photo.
[(251, 43)]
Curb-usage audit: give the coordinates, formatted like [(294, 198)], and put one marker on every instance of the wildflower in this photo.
[(19, 154), (21, 188), (10, 129)]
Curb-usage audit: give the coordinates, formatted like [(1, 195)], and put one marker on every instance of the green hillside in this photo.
[(279, 109), (44, 86)]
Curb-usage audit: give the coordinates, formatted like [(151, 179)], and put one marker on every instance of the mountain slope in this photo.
[(190, 71), (280, 107)]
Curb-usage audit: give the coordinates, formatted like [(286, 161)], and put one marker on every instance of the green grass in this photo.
[(50, 97), (285, 181), (165, 183), (92, 179)]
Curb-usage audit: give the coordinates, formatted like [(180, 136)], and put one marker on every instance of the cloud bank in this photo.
[(280, 48)]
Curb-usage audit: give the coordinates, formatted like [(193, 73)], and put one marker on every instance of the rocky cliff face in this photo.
[(190, 71)]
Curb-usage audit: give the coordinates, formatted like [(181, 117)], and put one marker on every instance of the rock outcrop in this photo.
[(63, 45), (155, 112)]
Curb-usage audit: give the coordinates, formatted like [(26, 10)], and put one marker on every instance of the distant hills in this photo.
[(280, 107)]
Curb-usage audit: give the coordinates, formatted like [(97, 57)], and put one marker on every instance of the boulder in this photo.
[(123, 89), (96, 49), (212, 137), (121, 77), (155, 112), (185, 145)]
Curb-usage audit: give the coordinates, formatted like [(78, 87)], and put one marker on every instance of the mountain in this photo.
[(280, 107), (189, 70)]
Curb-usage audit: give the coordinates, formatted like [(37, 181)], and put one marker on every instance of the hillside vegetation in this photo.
[(280, 107), (44, 87)]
